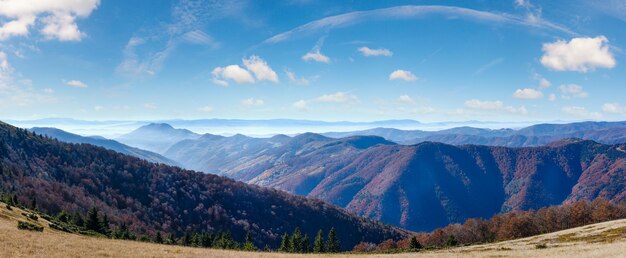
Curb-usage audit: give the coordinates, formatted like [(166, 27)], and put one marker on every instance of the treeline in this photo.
[(96, 224), (298, 243), (513, 225)]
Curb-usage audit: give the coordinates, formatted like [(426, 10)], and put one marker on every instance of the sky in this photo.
[(431, 61)]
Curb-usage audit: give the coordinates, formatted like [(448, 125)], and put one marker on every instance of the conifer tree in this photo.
[(249, 245), (33, 203), (158, 238), (171, 239), (333, 243), (104, 226), (93, 222), (296, 241), (306, 244), (285, 244), (414, 245), (77, 219), (186, 239), (318, 244)]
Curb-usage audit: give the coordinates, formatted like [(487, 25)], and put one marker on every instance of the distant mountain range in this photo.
[(535, 135), (105, 143), (419, 187), (151, 197), (156, 137)]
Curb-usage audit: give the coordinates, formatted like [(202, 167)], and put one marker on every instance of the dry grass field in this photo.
[(598, 240)]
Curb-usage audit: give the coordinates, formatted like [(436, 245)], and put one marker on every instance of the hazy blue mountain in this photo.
[(156, 137), (536, 135), (103, 142)]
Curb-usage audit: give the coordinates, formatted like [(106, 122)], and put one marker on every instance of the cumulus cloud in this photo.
[(261, 70), (406, 99), (497, 105), (527, 93), (206, 109), (57, 18), (552, 97), (366, 51), (293, 78), (402, 75), (338, 97), (614, 108), (301, 105), (232, 72), (484, 105), (252, 102), (316, 56), (570, 91), (76, 84), (543, 82), (579, 54), (580, 112), (253, 65)]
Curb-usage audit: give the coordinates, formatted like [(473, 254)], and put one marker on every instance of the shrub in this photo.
[(59, 227), (9, 207), (32, 216), (541, 246), (29, 226)]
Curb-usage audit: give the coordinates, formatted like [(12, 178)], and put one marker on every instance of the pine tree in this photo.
[(414, 245), (33, 203), (93, 222), (158, 238), (63, 217), (306, 244), (249, 245), (77, 219), (451, 241), (318, 244), (285, 244), (333, 243), (186, 239), (296, 241), (171, 239), (104, 226)]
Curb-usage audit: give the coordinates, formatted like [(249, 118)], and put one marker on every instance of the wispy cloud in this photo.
[(488, 65), (366, 51), (408, 12)]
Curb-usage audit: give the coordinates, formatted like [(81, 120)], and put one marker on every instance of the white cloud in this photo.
[(406, 99), (580, 112), (76, 84), (261, 70), (405, 12), (522, 3), (148, 66), (150, 106), (572, 91), (231, 72), (48, 90), (543, 82), (98, 108), (253, 65), (527, 93), (579, 54), (201, 38), (614, 108), (17, 91), (316, 56), (552, 97), (494, 106), (402, 75), (301, 105), (206, 109), (58, 17), (366, 51), (484, 105), (293, 78), (338, 97), (252, 102)]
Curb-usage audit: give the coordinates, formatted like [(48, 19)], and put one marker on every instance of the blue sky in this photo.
[(320, 60)]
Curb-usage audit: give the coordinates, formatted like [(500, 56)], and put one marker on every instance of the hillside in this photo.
[(418, 187), (535, 135), (151, 197), (597, 240), (102, 142), (156, 137)]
